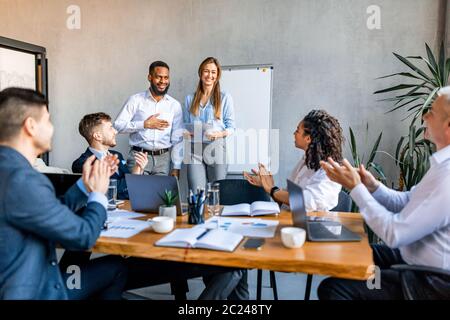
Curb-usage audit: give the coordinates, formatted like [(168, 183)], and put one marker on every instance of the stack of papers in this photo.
[(120, 224), (123, 214), (199, 131), (125, 228), (247, 227)]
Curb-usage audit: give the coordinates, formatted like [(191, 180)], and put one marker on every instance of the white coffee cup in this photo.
[(162, 224), (293, 237)]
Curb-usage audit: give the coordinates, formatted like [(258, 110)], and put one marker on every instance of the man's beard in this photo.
[(156, 91), (112, 144)]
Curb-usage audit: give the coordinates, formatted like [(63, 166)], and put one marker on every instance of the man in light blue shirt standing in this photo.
[(154, 121), (414, 225)]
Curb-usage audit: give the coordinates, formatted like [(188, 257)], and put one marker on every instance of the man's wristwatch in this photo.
[(273, 190)]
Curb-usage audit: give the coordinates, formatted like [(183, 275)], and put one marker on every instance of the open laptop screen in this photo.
[(146, 190)]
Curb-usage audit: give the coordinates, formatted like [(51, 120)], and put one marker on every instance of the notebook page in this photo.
[(219, 240), (242, 209), (181, 238), (264, 207)]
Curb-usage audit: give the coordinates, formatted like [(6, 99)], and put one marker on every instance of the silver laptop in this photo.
[(145, 191), (318, 231)]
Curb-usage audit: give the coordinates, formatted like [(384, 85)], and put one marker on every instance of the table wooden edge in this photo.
[(128, 247)]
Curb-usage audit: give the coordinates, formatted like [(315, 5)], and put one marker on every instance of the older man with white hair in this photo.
[(414, 225)]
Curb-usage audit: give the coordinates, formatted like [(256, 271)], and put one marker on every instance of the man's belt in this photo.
[(151, 152)]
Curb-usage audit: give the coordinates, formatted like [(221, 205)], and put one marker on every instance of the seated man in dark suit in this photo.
[(99, 132), (32, 219)]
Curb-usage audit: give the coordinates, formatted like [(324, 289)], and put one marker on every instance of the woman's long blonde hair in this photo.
[(216, 98)]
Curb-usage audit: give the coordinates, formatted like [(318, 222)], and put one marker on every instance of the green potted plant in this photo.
[(370, 165), (168, 208), (413, 151)]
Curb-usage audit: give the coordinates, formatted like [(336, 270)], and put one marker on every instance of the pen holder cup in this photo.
[(195, 214)]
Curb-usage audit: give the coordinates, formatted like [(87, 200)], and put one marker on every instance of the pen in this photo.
[(200, 199), (203, 234)]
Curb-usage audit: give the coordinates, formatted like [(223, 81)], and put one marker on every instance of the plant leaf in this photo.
[(353, 148), (374, 149), (430, 98), (379, 170), (431, 58), (412, 66), (403, 74), (395, 88), (442, 65)]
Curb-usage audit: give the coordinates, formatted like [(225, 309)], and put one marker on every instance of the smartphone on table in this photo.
[(254, 243)]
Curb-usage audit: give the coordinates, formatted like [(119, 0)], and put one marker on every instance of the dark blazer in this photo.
[(122, 190), (32, 220)]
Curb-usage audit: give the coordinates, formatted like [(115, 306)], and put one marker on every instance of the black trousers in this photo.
[(425, 287), (102, 278), (221, 282)]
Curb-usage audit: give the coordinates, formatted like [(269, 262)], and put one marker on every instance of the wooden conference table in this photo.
[(351, 260)]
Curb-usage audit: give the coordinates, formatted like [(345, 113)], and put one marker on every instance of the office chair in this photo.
[(344, 205), (407, 277), (234, 191)]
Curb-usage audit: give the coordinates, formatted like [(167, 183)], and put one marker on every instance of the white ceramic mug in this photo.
[(293, 237), (162, 224)]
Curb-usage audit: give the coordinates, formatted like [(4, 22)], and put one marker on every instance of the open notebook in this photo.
[(213, 239), (257, 208)]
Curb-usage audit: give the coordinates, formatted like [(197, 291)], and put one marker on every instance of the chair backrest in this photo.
[(344, 203), (234, 191)]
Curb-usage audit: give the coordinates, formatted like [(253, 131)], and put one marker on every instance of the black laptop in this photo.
[(62, 181), (317, 231)]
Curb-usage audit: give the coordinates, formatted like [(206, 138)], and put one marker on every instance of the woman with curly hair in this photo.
[(320, 136)]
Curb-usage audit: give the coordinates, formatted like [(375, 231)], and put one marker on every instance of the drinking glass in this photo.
[(112, 194), (213, 199)]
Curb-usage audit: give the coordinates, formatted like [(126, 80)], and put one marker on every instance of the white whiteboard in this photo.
[(251, 90), (17, 69)]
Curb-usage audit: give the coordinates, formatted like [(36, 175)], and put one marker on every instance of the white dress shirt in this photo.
[(416, 222), (138, 108), (320, 193)]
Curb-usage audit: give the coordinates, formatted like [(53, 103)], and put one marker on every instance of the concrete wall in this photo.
[(322, 51)]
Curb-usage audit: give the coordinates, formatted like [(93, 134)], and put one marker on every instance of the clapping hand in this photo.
[(368, 179), (345, 174), (96, 175), (254, 178), (141, 161), (113, 162), (266, 178)]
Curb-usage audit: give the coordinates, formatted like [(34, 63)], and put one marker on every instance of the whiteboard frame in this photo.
[(256, 66), (41, 61)]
